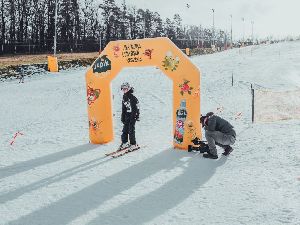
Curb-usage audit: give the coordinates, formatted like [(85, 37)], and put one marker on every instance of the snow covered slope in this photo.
[(52, 175)]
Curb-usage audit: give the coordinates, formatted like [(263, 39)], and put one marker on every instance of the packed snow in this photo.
[(51, 174)]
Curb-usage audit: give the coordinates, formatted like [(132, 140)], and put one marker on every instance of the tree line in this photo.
[(28, 26)]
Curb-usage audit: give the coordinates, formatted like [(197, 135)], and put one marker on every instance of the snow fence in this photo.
[(272, 106)]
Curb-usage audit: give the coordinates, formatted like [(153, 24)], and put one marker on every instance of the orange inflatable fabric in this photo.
[(158, 52)]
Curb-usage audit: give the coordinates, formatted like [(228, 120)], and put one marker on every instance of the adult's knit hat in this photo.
[(202, 118), (209, 114)]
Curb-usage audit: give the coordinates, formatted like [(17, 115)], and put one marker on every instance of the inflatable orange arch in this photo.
[(159, 52)]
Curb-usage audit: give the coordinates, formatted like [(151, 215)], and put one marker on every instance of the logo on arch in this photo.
[(102, 64)]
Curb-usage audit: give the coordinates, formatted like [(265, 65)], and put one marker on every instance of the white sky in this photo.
[(271, 17)]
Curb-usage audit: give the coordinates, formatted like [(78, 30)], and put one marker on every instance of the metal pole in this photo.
[(243, 19), (100, 42), (55, 21), (145, 27), (201, 36), (145, 24), (231, 30), (213, 31), (252, 23), (252, 92), (198, 37), (232, 79)]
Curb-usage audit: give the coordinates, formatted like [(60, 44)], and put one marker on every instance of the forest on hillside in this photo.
[(28, 26)]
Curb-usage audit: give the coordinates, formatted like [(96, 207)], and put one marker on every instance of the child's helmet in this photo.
[(125, 85)]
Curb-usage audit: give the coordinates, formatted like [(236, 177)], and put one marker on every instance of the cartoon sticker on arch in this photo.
[(148, 52), (170, 62), (181, 115), (94, 124), (92, 95), (197, 92), (116, 50), (185, 87), (191, 130)]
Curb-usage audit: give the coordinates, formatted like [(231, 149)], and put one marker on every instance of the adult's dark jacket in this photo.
[(216, 123), (130, 108)]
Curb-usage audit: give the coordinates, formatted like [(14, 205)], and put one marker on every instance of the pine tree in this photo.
[(50, 24), (170, 30), (76, 23), (2, 24), (68, 28), (12, 24), (158, 29), (148, 17), (133, 23), (177, 21), (110, 15), (124, 22), (141, 23)]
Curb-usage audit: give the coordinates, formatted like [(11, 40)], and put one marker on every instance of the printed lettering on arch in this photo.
[(102, 64)]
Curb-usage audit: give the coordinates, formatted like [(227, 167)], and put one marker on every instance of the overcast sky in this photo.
[(271, 17)]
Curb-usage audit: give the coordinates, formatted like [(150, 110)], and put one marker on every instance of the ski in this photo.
[(126, 152), (117, 151)]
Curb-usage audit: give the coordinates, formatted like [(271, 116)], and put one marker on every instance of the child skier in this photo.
[(130, 114), (217, 132)]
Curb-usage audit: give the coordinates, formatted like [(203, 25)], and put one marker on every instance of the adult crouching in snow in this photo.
[(219, 132)]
